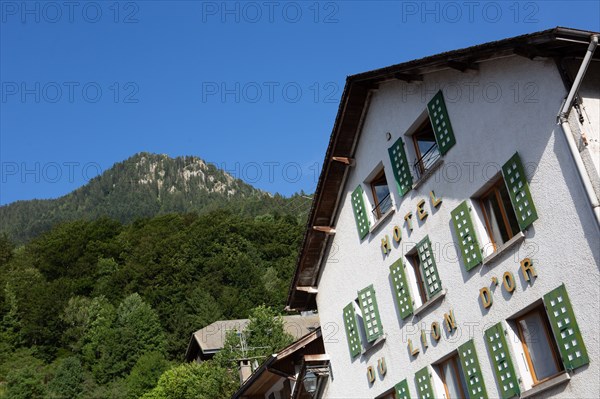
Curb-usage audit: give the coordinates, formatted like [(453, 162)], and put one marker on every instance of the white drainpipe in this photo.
[(563, 119)]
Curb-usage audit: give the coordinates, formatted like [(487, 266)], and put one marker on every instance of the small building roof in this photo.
[(210, 339)]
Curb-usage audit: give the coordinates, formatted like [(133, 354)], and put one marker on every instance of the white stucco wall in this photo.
[(590, 94), (563, 242)]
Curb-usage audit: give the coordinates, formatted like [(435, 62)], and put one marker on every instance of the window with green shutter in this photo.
[(401, 291), (360, 213), (428, 268), (401, 389), (467, 239), (472, 371), (565, 328), (423, 382), (400, 167), (503, 366), (370, 313), (351, 330), (438, 114), (518, 190)]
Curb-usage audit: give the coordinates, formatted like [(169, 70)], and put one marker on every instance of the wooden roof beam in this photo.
[(344, 160), (462, 66), (310, 290), (408, 77), (533, 52), (325, 229)]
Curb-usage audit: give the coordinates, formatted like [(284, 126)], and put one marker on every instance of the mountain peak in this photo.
[(143, 185)]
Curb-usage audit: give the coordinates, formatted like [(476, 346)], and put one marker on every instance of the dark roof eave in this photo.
[(248, 383), (482, 50)]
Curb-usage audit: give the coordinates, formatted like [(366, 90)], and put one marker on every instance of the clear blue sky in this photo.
[(250, 86)]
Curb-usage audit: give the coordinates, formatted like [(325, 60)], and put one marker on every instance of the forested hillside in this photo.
[(146, 185), (106, 307)]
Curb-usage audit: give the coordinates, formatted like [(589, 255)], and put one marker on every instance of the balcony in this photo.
[(382, 207), (425, 165)]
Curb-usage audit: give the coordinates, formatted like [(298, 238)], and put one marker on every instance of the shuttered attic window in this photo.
[(381, 195), (432, 137)]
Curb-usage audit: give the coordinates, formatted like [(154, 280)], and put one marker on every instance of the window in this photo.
[(360, 214), (388, 395), (381, 195), (424, 383), (414, 261), (401, 291), (370, 313), (362, 321), (426, 148), (400, 167), (500, 220), (539, 347), (453, 378), (467, 238), (401, 390), (504, 369), (434, 137), (473, 378), (425, 270)]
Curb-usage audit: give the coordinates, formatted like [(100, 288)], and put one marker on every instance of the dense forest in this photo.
[(101, 309)]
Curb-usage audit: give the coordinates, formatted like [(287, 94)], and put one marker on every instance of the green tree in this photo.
[(90, 323), (26, 380), (6, 249), (106, 268), (10, 325), (145, 374), (68, 379), (194, 381), (135, 331)]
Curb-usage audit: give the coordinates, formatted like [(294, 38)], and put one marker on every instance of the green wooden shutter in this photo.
[(438, 114), (503, 365), (351, 330), (370, 312), (360, 214), (400, 167), (423, 381), (472, 371), (565, 328), (402, 390), (467, 239), (518, 189), (428, 268), (402, 293)]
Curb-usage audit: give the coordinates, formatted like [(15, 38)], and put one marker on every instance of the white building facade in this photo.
[(454, 243)]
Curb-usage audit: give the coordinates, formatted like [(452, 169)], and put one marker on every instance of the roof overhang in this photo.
[(554, 43)]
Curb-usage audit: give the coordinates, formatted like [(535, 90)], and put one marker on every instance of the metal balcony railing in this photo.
[(382, 207), (423, 164)]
